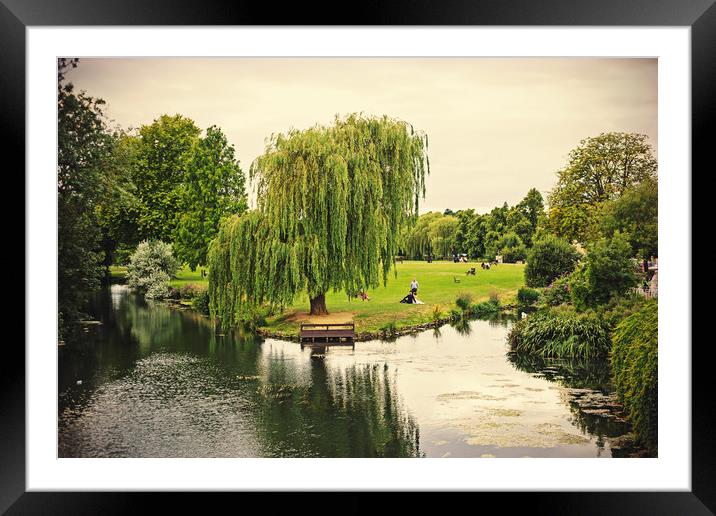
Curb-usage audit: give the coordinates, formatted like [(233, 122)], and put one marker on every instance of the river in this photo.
[(155, 381)]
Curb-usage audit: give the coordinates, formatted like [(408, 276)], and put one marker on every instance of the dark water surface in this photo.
[(152, 381)]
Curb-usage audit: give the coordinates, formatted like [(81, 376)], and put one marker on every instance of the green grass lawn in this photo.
[(185, 276), (437, 287)]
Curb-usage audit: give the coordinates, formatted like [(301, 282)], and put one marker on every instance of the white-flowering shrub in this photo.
[(151, 267)]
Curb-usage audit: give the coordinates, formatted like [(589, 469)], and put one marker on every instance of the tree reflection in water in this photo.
[(589, 391), (350, 412)]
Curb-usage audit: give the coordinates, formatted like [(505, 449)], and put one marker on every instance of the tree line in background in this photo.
[(608, 186), (166, 181), (507, 231)]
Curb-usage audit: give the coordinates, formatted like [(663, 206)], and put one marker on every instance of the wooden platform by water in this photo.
[(332, 334)]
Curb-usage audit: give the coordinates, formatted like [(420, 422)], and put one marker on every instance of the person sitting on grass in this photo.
[(410, 298), (363, 296)]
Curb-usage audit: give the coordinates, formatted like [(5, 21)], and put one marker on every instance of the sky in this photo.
[(496, 126)]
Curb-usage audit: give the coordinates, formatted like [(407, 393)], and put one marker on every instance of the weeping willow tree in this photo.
[(418, 239), (332, 202)]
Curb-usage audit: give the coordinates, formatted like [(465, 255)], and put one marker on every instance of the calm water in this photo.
[(156, 382)]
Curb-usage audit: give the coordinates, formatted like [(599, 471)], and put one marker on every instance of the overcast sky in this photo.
[(497, 127)]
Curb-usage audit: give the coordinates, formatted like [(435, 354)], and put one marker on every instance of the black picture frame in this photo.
[(700, 15)]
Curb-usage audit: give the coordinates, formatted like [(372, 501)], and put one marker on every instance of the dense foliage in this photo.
[(506, 231), (332, 203), (608, 271), (170, 184), (635, 214), (600, 169), (561, 332), (213, 188), (634, 361), (557, 292), (527, 296), (511, 248), (164, 151), (150, 268), (549, 258), (83, 147)]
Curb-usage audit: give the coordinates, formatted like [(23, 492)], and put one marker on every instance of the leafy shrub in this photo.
[(619, 308), (251, 318), (527, 296), (558, 292), (561, 332), (609, 271), (634, 363), (549, 258), (157, 285), (150, 268), (485, 309), (463, 301)]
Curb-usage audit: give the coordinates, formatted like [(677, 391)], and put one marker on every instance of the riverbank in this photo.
[(440, 283)]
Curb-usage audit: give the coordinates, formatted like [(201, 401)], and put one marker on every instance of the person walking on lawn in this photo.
[(414, 286)]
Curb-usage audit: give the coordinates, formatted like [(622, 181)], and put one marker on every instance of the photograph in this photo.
[(358, 257)]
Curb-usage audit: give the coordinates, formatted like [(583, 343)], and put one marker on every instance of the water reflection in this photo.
[(589, 392), (161, 382)]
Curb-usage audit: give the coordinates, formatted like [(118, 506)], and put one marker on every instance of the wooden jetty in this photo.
[(326, 335)]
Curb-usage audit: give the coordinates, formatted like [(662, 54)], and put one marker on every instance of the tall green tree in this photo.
[(332, 204), (608, 271), (418, 241), (635, 213), (442, 235), (164, 152), (462, 235), (600, 169), (119, 208), (532, 207), (214, 187), (82, 150)]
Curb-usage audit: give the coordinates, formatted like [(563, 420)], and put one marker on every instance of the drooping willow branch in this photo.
[(332, 203)]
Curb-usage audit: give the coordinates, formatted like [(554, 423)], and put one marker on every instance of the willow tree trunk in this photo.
[(318, 305)]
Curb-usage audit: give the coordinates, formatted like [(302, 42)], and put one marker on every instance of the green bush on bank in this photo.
[(150, 268), (527, 296), (550, 258), (561, 332), (486, 309), (558, 292), (634, 361)]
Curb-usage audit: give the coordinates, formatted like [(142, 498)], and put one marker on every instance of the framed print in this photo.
[(428, 250)]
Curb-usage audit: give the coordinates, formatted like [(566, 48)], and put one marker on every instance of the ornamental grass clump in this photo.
[(464, 300), (634, 361), (561, 332)]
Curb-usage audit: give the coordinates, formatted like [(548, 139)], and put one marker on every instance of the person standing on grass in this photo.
[(414, 286)]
